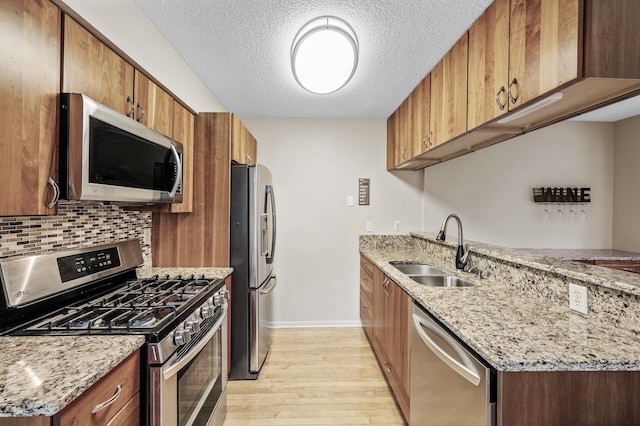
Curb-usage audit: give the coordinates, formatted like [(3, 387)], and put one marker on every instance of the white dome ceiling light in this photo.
[(324, 55)]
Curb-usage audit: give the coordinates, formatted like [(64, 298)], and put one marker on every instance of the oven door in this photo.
[(191, 389)]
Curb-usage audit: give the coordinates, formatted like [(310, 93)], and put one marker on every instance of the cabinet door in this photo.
[(403, 144), (154, 106), (489, 65), (399, 354), (449, 94), (91, 68), (392, 140), (183, 132), (29, 87), (543, 48), (243, 144), (420, 116)]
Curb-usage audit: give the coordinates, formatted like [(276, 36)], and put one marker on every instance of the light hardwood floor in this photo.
[(315, 376)]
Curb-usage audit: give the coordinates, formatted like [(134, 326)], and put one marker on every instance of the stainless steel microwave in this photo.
[(107, 156)]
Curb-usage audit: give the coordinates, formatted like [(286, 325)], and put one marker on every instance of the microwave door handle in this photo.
[(273, 221), (176, 184)]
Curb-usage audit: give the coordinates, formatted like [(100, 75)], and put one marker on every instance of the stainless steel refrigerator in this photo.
[(252, 245)]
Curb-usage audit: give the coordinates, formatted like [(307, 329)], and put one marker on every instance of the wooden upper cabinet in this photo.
[(29, 88), (543, 48), (183, 132), (489, 65), (449, 94), (421, 116), (154, 106), (408, 127), (93, 69), (244, 146), (392, 140)]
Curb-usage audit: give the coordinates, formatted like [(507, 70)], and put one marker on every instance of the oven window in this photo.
[(200, 384), (117, 157)]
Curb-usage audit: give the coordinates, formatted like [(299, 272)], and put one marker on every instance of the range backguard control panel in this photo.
[(77, 266)]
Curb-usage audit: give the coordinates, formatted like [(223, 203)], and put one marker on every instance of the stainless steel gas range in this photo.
[(95, 291)]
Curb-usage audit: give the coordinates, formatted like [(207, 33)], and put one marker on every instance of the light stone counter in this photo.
[(208, 272), (518, 319), (41, 375)]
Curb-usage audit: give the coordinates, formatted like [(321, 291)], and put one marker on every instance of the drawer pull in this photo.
[(108, 402)]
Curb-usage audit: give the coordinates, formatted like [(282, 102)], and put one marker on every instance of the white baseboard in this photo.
[(315, 324)]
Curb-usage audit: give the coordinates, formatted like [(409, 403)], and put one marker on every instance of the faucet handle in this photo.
[(465, 254), (462, 256)]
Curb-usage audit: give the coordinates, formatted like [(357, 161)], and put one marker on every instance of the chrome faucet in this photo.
[(462, 254)]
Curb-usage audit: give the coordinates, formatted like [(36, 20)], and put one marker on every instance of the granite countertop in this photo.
[(208, 272), (41, 375), (513, 331), (585, 254)]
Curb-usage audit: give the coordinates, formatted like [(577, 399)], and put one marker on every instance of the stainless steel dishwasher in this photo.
[(450, 385)]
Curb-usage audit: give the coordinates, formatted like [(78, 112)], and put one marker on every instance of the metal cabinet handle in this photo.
[(108, 402), (248, 158), (385, 366), (402, 153), (141, 116), (56, 193), (424, 142), (510, 92), (629, 269), (429, 136), (132, 110), (500, 104)]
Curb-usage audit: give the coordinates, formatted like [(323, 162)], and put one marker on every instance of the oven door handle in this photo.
[(173, 369)]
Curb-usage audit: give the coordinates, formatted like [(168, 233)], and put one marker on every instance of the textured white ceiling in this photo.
[(240, 49)]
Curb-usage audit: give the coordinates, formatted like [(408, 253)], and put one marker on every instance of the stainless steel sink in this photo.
[(418, 269), (441, 281)]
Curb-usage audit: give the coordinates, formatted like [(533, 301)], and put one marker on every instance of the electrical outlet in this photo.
[(578, 298), (396, 225), (369, 226)]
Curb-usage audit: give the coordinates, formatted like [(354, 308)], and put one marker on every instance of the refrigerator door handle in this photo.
[(269, 288), (270, 195)]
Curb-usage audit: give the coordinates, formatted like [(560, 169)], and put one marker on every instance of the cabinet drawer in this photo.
[(366, 315), (129, 415), (126, 375), (366, 285), (366, 266)]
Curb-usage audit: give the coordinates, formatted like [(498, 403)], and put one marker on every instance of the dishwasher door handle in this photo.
[(420, 325)]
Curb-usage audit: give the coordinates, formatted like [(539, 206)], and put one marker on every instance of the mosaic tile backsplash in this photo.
[(75, 225)]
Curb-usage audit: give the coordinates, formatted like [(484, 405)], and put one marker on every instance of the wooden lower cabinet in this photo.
[(585, 398), (127, 377), (387, 328), (366, 296)]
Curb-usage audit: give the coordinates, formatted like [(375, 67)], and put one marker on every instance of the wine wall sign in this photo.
[(560, 195)]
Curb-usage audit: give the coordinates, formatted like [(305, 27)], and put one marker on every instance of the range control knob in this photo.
[(220, 298), (206, 312), (192, 326), (181, 337)]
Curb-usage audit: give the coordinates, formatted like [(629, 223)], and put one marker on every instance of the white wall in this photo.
[(491, 189), (123, 23), (316, 165), (626, 195)]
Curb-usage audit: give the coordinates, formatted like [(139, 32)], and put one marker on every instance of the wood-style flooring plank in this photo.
[(315, 376)]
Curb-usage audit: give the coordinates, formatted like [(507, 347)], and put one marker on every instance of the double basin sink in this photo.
[(430, 276)]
